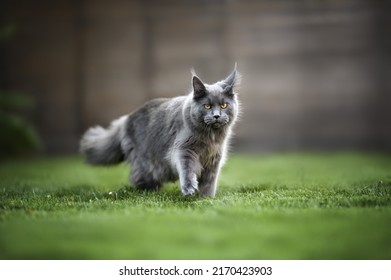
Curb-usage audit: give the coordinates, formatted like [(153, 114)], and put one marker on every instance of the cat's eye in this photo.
[(207, 106), (224, 105)]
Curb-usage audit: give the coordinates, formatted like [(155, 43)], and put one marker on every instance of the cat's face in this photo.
[(214, 106)]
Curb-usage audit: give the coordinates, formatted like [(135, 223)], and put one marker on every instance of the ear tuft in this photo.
[(193, 72)]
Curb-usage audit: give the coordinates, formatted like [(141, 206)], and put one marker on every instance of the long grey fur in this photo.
[(172, 138)]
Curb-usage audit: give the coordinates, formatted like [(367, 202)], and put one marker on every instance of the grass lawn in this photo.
[(293, 206)]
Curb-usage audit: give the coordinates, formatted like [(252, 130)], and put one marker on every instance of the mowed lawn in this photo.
[(293, 206)]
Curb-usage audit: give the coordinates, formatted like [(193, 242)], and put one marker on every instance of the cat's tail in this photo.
[(102, 146)]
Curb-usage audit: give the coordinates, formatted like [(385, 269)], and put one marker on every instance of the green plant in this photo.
[(17, 135)]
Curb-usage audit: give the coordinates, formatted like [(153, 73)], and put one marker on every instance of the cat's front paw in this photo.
[(189, 191)]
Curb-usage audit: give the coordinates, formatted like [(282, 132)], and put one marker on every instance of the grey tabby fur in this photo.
[(171, 138)]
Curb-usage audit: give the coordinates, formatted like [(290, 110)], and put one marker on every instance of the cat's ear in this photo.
[(199, 89), (231, 81)]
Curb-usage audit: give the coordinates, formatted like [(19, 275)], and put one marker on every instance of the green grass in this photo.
[(295, 206)]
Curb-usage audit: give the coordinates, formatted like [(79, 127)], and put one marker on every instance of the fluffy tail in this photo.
[(103, 146)]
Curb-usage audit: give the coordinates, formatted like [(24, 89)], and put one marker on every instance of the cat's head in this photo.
[(215, 106)]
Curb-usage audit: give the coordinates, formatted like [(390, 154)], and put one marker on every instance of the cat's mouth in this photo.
[(216, 124)]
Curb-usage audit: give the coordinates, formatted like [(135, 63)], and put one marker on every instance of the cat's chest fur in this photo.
[(210, 149), (206, 148)]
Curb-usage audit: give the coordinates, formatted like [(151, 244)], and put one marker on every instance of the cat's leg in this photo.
[(188, 166), (143, 180), (209, 176)]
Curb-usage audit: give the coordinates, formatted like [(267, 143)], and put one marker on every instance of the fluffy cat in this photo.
[(184, 137)]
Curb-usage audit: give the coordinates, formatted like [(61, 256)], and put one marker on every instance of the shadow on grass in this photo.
[(30, 199)]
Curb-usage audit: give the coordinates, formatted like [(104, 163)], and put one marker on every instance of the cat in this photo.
[(167, 139)]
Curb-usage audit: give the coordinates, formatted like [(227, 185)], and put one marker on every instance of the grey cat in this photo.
[(185, 137)]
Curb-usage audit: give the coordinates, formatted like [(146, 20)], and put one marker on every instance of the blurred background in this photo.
[(316, 74)]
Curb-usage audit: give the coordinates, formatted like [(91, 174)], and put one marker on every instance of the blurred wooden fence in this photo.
[(316, 74)]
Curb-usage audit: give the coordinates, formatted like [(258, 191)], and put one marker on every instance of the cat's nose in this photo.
[(216, 116)]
